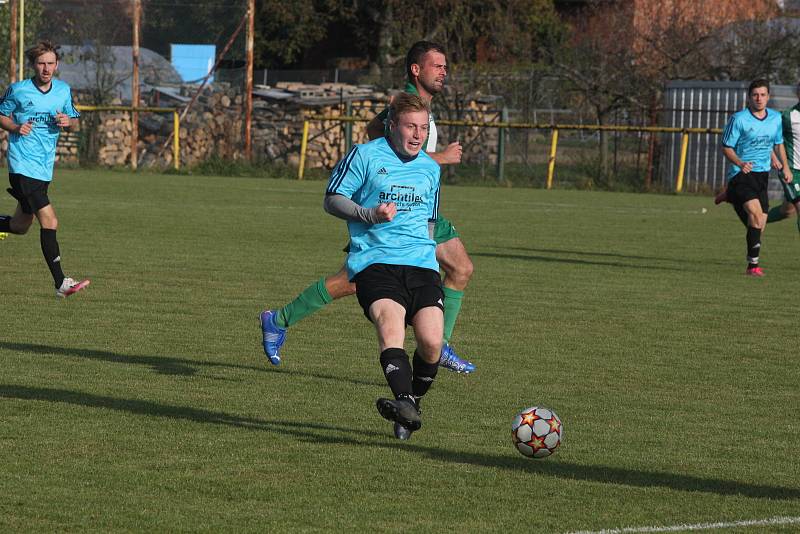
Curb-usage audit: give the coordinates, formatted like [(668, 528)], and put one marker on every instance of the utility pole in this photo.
[(12, 57), (137, 15), (248, 83), (21, 39)]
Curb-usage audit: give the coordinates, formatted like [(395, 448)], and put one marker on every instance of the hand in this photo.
[(452, 154), (25, 129), (386, 212), (787, 175), (63, 120), (776, 163), (747, 167)]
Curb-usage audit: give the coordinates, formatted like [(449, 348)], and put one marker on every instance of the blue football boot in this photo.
[(450, 360), (274, 336)]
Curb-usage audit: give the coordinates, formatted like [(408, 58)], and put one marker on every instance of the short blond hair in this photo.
[(406, 103)]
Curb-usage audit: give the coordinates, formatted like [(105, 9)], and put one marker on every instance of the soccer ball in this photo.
[(537, 432)]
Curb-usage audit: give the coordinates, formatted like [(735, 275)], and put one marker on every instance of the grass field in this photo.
[(145, 403)]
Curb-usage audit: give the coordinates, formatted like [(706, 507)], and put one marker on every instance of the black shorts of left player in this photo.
[(29, 192), (413, 288), (745, 187)]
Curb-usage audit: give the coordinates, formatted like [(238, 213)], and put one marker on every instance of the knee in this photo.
[(19, 228), (461, 272), (339, 286), (430, 350)]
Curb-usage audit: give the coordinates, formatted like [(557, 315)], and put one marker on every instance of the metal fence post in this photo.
[(348, 127), (551, 163), (176, 143), (501, 146), (303, 147), (682, 164)]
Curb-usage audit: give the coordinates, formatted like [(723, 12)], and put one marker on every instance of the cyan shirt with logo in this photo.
[(33, 155), (752, 138), (373, 174)]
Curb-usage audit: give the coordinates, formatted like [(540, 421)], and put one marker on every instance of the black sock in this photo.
[(753, 246), (397, 370), (51, 254), (5, 223), (424, 375)]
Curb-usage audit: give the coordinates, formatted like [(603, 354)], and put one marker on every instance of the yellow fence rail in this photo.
[(176, 124), (554, 128)]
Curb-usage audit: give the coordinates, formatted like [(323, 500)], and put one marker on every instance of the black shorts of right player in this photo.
[(29, 192), (745, 187), (413, 288)]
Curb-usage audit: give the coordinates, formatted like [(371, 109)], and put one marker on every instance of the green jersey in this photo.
[(790, 121)]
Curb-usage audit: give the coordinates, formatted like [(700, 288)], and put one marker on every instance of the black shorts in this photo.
[(29, 192), (413, 288), (745, 187)]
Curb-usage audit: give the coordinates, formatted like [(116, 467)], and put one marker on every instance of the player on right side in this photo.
[(790, 119), (747, 142)]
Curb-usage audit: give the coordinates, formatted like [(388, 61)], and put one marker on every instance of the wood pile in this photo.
[(214, 127)]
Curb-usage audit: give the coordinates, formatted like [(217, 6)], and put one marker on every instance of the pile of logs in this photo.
[(214, 127)]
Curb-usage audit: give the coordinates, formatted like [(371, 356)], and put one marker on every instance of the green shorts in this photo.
[(791, 191), (444, 231)]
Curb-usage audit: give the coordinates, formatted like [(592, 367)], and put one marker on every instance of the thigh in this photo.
[(380, 281), (389, 318), (30, 193), (428, 326), (425, 287), (451, 254)]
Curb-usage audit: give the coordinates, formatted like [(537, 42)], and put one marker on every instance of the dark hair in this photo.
[(755, 84), (417, 52)]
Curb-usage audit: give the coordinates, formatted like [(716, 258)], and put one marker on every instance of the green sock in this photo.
[(775, 214), (452, 307), (313, 298)]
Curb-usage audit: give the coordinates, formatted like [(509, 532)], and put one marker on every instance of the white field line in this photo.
[(699, 526)]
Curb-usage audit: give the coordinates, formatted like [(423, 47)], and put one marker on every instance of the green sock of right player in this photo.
[(452, 307), (312, 299)]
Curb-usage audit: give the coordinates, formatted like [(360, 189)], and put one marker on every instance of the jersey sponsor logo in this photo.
[(404, 196)]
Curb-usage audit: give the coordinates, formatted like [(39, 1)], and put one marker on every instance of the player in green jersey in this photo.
[(790, 121), (426, 67)]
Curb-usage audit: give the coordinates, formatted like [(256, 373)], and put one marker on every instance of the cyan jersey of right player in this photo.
[(33, 155), (373, 174), (752, 138)]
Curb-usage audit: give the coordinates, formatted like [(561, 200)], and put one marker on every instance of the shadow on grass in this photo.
[(573, 261), (680, 261), (304, 431), (170, 366), (159, 364)]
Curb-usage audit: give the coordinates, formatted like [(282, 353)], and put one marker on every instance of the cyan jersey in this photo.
[(33, 155), (752, 138), (373, 174)]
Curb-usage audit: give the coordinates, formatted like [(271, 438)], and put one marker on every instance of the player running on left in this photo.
[(34, 111)]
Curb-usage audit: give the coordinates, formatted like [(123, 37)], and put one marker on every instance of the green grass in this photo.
[(145, 403)]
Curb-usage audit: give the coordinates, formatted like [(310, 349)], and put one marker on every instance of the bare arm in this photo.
[(730, 155), (787, 172), (449, 156), (7, 123)]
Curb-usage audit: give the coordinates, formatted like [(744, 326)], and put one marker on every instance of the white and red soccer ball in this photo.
[(537, 432)]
